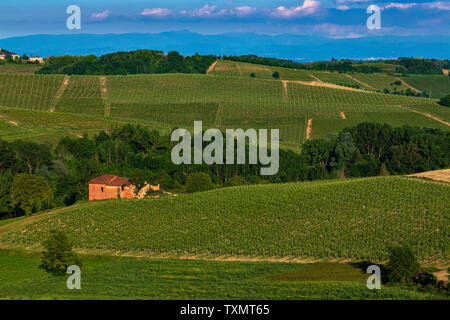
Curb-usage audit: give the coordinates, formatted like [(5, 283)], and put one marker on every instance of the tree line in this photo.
[(133, 62), (36, 177), (403, 65)]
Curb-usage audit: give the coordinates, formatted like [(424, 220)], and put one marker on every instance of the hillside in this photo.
[(351, 219), (222, 99)]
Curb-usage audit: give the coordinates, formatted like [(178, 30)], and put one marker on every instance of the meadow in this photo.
[(105, 277), (357, 219)]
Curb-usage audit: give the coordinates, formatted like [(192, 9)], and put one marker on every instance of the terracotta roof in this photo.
[(111, 180)]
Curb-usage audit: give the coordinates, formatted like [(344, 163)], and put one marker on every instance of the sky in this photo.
[(330, 18)]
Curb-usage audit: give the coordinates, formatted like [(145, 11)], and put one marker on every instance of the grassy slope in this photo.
[(357, 219), (126, 278)]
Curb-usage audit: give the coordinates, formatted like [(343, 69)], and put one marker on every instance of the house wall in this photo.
[(95, 192)]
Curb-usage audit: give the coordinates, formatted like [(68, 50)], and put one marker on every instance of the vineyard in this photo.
[(435, 86), (351, 219), (223, 101)]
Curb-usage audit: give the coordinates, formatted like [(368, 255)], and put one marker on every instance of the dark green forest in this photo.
[(123, 63), (36, 177)]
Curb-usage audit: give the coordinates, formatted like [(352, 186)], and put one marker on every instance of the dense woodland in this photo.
[(36, 177), (123, 63)]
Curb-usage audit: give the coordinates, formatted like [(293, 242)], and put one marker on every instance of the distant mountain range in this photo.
[(294, 47)]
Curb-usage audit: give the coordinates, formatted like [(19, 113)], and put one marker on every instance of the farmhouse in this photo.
[(113, 187)]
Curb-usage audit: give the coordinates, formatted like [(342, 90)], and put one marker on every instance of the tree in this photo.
[(31, 156), (317, 152), (445, 101), (58, 254), (253, 75), (28, 190), (7, 157), (276, 75), (197, 182), (402, 265), (343, 150)]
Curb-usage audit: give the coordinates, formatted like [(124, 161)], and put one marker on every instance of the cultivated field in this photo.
[(435, 86), (352, 219), (222, 101)]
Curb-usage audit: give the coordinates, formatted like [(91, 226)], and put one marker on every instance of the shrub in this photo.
[(276, 75), (402, 265), (445, 101), (197, 182), (58, 253), (253, 75)]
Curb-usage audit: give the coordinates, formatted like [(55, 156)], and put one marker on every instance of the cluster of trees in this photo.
[(123, 63), (35, 177), (420, 65)]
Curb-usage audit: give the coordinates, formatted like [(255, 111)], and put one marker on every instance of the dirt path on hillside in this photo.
[(309, 129), (427, 115), (211, 67), (343, 115), (105, 98), (59, 93), (326, 84), (219, 115), (239, 69), (408, 85), (314, 77), (360, 82), (285, 90), (438, 175)]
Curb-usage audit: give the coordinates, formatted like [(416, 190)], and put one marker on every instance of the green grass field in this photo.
[(350, 219), (127, 278)]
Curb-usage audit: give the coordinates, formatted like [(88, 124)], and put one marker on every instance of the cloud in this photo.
[(343, 8), (205, 12), (309, 7), (401, 6), (156, 12), (101, 15), (440, 5), (244, 11)]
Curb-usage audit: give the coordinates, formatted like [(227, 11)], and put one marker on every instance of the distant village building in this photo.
[(113, 187), (37, 58), (445, 72)]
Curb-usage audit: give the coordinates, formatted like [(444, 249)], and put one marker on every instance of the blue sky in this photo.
[(331, 18)]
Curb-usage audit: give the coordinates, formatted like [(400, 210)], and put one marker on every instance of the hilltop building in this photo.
[(36, 58), (113, 187)]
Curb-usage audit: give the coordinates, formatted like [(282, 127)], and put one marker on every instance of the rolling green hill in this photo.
[(224, 101), (351, 219)]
